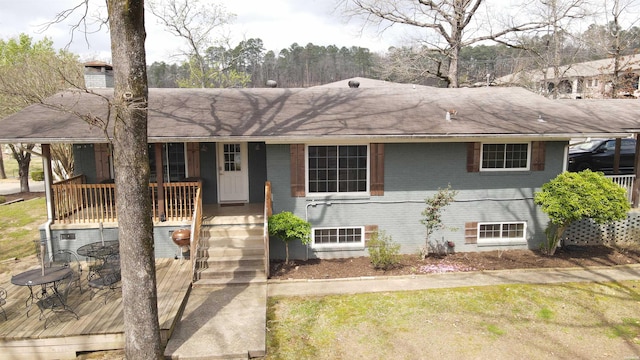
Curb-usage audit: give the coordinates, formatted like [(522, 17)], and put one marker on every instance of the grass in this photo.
[(575, 320), (19, 224)]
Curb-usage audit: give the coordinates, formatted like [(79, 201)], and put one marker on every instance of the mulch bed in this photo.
[(571, 256)]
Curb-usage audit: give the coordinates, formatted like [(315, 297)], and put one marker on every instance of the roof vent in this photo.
[(272, 84), (354, 84)]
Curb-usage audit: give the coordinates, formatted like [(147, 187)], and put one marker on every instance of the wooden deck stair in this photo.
[(231, 251)]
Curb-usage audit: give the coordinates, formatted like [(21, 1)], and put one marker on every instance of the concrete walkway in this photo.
[(451, 280), (12, 186), (229, 322), (224, 322)]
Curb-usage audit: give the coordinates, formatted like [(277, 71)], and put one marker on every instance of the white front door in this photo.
[(233, 172)]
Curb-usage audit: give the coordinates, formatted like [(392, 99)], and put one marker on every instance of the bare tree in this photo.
[(131, 166), (618, 45), (449, 26), (195, 23), (553, 49), (62, 158)]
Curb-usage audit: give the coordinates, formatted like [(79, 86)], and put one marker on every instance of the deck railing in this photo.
[(76, 202), (268, 210), (626, 181)]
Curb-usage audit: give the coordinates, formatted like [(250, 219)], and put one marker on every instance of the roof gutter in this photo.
[(384, 138)]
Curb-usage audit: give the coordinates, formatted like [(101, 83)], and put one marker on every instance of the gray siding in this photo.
[(414, 172), (163, 245)]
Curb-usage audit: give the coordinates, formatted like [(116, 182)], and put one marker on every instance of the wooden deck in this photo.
[(100, 326)]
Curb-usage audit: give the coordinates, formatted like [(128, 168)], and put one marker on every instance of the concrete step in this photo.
[(240, 274), (240, 280), (232, 241), (230, 263), (230, 251), (234, 220), (232, 231)]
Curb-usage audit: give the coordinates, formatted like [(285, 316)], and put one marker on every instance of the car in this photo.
[(598, 154)]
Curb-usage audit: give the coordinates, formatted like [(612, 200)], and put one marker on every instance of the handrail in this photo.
[(196, 225), (78, 179), (268, 210)]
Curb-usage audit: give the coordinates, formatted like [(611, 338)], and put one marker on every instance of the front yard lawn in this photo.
[(566, 321)]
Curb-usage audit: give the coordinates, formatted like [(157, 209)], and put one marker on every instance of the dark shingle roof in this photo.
[(325, 113)]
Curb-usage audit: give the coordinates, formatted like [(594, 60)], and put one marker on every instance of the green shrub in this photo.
[(573, 196), (37, 175), (289, 227), (383, 251), (2, 199)]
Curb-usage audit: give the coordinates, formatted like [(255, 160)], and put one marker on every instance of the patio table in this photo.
[(99, 249), (48, 281)]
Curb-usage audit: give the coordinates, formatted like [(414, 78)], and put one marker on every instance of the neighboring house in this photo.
[(349, 160), (586, 80)]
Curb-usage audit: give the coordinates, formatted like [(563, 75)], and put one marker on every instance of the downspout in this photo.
[(46, 155)]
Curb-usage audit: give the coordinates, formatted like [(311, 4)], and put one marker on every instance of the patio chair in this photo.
[(70, 259), (3, 301), (56, 301), (105, 276)]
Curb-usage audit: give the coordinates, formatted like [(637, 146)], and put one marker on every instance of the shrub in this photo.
[(432, 214), (37, 175), (2, 199), (575, 196), (383, 251), (289, 227)]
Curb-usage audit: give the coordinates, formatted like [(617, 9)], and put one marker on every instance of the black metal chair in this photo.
[(70, 259), (3, 301), (105, 275), (55, 302)]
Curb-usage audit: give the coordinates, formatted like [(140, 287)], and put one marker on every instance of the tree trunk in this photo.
[(3, 175), (23, 170), (131, 160), (23, 158)]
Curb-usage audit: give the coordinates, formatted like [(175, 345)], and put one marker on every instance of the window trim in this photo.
[(529, 153), (338, 246), (367, 192), (501, 240)]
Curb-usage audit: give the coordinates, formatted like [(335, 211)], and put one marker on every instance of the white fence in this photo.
[(626, 181)]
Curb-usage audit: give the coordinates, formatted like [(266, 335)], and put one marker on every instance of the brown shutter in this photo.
[(193, 159), (537, 155), (297, 170), (471, 233), (473, 156), (368, 231), (377, 169), (101, 153)]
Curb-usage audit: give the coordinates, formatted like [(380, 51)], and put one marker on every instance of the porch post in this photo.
[(48, 176), (160, 180), (616, 157)]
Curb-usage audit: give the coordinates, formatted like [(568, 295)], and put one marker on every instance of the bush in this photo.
[(575, 196), (2, 199), (383, 251), (37, 175), (289, 227)]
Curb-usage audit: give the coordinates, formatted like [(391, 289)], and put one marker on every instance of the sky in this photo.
[(279, 23)]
